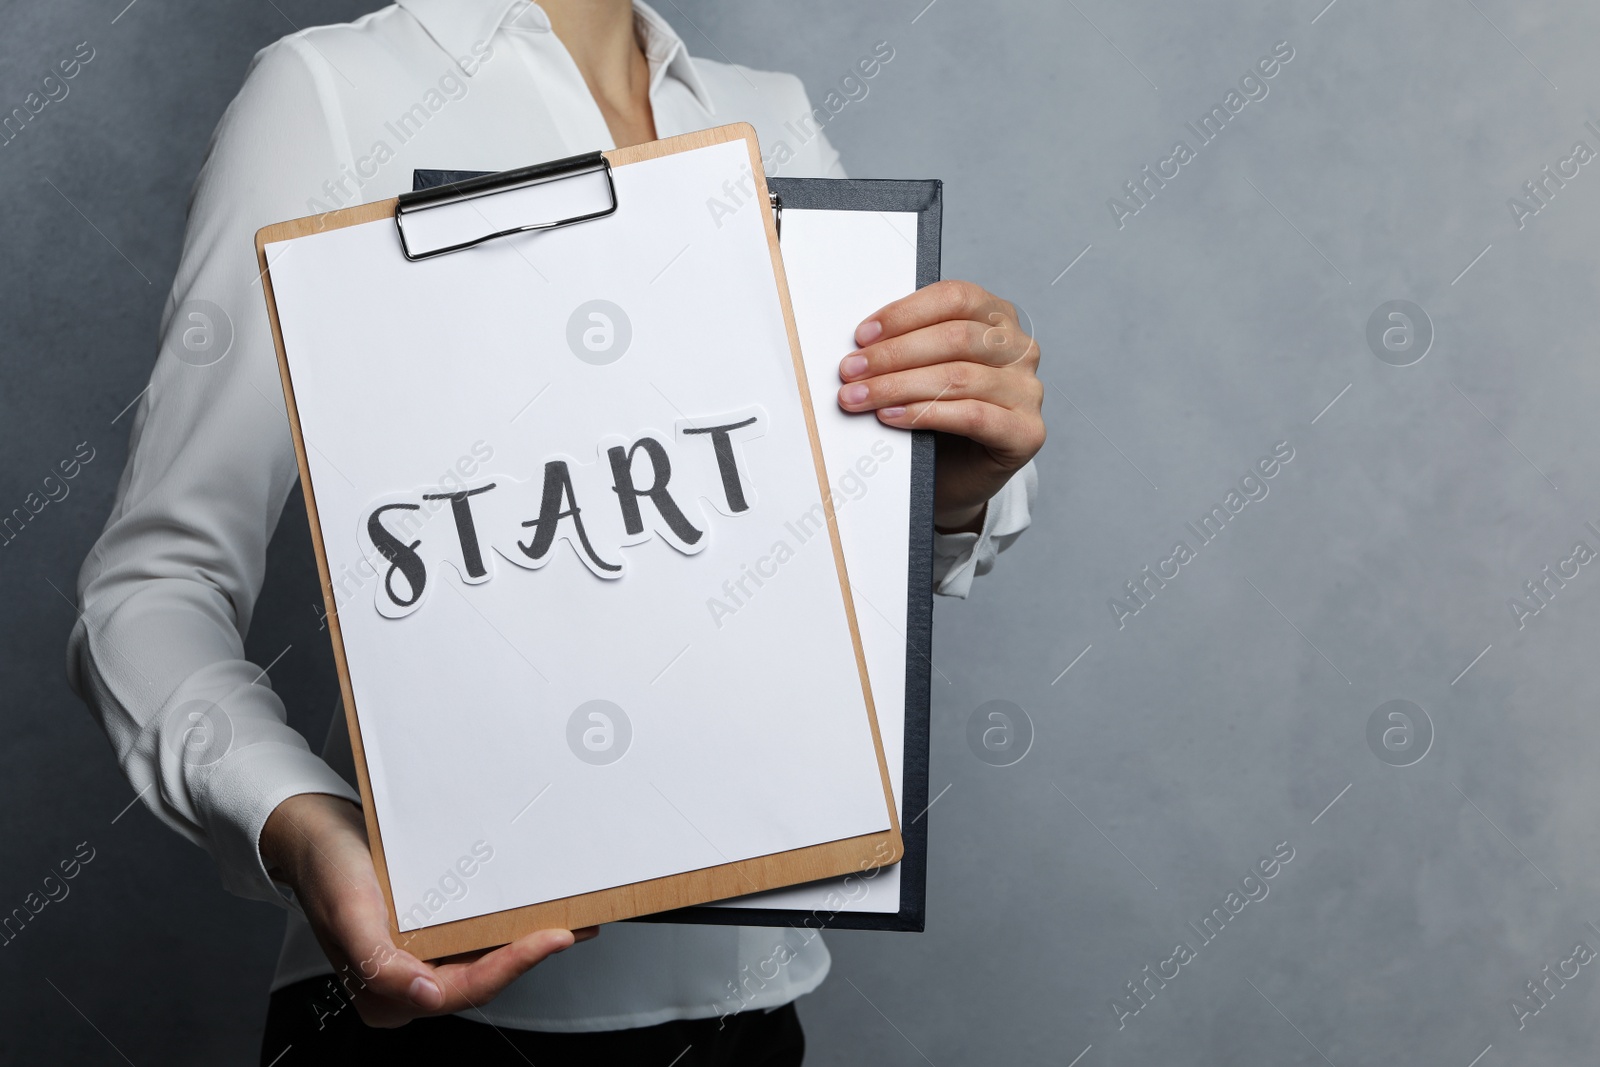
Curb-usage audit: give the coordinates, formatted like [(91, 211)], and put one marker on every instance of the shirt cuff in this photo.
[(239, 794), (960, 557)]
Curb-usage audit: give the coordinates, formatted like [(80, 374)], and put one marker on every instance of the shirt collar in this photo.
[(669, 55), (457, 25)]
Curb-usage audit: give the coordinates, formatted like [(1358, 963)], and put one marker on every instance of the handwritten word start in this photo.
[(525, 519)]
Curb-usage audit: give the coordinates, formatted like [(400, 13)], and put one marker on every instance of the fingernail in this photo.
[(869, 332), (891, 413), (853, 365), (424, 993), (853, 394)]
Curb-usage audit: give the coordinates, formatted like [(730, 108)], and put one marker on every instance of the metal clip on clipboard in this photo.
[(449, 218)]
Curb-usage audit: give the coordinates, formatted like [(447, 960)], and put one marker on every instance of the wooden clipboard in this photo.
[(691, 887)]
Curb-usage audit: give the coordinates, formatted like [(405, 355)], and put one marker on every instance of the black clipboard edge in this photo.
[(926, 198)]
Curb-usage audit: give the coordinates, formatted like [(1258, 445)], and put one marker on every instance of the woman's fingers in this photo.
[(953, 357), (939, 302), (470, 984), (475, 980), (392, 985), (405, 987), (1003, 345), (338, 888), (1005, 433), (956, 380)]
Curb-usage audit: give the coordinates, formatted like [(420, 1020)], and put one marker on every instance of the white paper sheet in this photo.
[(745, 726), (842, 266)]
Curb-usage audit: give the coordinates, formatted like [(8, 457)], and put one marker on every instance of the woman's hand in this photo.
[(318, 844), (952, 357)]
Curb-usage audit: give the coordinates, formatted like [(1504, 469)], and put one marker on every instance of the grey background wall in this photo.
[(1438, 861)]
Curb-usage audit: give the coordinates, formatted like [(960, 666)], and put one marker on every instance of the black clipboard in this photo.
[(925, 199)]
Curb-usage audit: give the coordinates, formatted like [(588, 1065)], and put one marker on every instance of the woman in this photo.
[(340, 115)]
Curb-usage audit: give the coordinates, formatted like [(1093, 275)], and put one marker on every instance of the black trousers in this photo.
[(301, 1031)]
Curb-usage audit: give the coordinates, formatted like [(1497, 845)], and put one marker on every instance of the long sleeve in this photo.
[(960, 557), (167, 593)]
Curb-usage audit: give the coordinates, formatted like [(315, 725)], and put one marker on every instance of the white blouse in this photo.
[(330, 117)]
